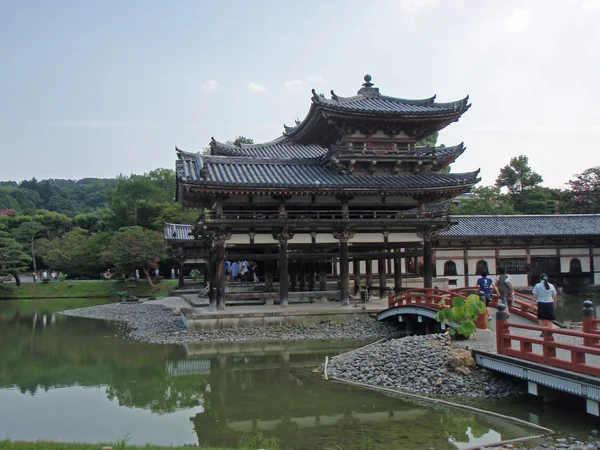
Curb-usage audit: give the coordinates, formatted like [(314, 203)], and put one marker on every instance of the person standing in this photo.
[(137, 274), (504, 287), (34, 277), (172, 273), (235, 270), (485, 291), (546, 297)]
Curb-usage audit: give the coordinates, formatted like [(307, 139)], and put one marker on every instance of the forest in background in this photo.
[(67, 225)]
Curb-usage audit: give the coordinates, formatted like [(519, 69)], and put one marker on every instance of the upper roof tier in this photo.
[(370, 104)]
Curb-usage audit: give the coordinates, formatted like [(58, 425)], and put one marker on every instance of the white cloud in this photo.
[(255, 87), (590, 5), (519, 21), (293, 85), (211, 86), (317, 79)]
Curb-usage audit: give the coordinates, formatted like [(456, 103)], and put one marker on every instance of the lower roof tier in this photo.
[(239, 174)]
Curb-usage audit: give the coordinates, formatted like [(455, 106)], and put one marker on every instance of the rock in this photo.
[(459, 357), (439, 382)]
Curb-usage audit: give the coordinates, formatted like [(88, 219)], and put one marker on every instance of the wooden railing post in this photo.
[(501, 328), (589, 326)]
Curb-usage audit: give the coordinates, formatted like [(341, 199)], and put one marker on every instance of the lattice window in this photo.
[(450, 268), (481, 266), (513, 265), (575, 266)]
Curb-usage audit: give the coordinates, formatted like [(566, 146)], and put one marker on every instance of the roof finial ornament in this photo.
[(367, 82)]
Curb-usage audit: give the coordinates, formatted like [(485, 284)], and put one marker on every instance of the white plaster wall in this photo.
[(368, 237), (516, 252), (302, 239), (325, 238), (565, 263), (482, 253), (460, 267), (519, 280), (239, 239), (597, 263), (596, 251), (542, 252), (264, 239), (473, 265), (575, 251), (597, 278), (450, 254), (403, 237)]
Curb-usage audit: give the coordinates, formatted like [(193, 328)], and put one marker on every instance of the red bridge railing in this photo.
[(582, 358), (430, 297), (521, 305)]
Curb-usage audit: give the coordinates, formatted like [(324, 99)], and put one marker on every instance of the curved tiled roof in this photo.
[(278, 148), (177, 232), (523, 226), (223, 171)]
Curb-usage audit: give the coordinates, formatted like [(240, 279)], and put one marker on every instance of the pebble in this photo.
[(157, 324)]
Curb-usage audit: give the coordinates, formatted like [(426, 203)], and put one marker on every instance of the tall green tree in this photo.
[(485, 200), (518, 176), (27, 233), (239, 140), (77, 253), (134, 247), (13, 260), (583, 192)]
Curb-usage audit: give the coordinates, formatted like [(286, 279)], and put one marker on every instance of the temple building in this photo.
[(347, 193)]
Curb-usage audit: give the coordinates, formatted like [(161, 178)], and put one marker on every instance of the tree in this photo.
[(584, 192), (28, 232), (430, 140), (537, 200), (13, 260), (518, 176), (77, 252), (485, 200), (239, 140), (134, 247)]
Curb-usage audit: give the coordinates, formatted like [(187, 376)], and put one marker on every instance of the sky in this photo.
[(98, 88)]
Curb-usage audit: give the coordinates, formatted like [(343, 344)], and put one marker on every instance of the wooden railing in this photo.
[(521, 305), (582, 358), (430, 297)]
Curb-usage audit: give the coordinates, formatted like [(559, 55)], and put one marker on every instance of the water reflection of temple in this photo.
[(277, 394)]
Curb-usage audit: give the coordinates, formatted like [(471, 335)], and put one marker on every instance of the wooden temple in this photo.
[(344, 193)]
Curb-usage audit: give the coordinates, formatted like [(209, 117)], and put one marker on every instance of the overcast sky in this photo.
[(98, 88)]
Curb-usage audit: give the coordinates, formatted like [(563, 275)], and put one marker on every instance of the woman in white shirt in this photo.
[(545, 295)]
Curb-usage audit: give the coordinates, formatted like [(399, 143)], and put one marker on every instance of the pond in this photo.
[(71, 379)]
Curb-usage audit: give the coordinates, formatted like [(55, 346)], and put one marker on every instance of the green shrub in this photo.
[(62, 277), (46, 280), (195, 273), (461, 316)]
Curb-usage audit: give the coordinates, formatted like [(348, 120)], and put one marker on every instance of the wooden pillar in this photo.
[(592, 278), (369, 273), (356, 270), (382, 276), (323, 279), (301, 275), (269, 265), (528, 267), (466, 265), (283, 267), (220, 274), (311, 276), (427, 260), (397, 275), (293, 274), (344, 272), (212, 291)]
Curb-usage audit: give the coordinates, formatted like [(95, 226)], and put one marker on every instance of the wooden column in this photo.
[(369, 273), (343, 236), (592, 265), (466, 265), (382, 276), (356, 270), (427, 264), (268, 272), (311, 275), (283, 238), (212, 291), (293, 269), (397, 275), (301, 275), (181, 259), (323, 279), (220, 274)]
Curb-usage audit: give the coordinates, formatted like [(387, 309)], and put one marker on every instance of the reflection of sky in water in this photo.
[(490, 437), (62, 415)]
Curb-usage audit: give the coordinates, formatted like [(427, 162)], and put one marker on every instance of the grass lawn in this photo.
[(82, 289)]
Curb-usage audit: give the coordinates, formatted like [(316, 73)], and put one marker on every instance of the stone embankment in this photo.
[(159, 325), (554, 443), (423, 365)]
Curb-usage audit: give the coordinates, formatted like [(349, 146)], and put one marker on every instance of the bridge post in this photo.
[(501, 329), (588, 323)]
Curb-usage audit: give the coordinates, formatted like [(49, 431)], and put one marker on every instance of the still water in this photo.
[(71, 379)]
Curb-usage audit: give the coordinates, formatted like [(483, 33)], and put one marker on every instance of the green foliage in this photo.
[(430, 140), (583, 192), (195, 273), (12, 257), (135, 247), (517, 176), (239, 140), (537, 200), (46, 280), (485, 200), (62, 277), (461, 316)]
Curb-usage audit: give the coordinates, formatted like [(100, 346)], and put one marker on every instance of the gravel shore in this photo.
[(423, 365), (158, 324)]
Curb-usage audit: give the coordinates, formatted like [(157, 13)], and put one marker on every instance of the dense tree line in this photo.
[(82, 227)]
